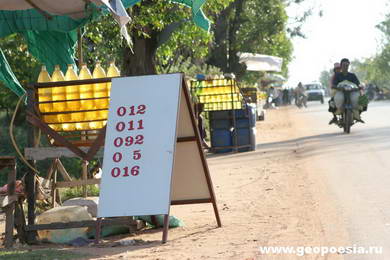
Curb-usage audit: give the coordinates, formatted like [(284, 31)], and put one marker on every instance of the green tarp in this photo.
[(8, 77), (52, 41), (197, 14)]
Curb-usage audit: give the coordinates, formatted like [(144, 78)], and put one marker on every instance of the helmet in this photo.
[(363, 100)]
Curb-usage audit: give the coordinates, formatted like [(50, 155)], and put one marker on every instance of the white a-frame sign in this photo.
[(152, 155)]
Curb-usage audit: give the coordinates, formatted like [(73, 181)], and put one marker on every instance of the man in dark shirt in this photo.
[(345, 75), (339, 96)]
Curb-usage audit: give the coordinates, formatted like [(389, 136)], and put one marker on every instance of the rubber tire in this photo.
[(347, 121), (322, 100)]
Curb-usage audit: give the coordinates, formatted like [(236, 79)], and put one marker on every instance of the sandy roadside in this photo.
[(265, 198)]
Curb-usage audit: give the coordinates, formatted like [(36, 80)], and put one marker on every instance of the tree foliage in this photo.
[(376, 69), (250, 26)]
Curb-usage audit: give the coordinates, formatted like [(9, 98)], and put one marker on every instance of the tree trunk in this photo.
[(142, 60), (224, 52), (233, 65)]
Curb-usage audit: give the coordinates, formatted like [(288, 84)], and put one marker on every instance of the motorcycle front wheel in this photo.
[(347, 121)]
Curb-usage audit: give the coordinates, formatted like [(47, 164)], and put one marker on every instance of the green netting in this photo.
[(32, 20), (8, 77), (52, 41), (52, 48)]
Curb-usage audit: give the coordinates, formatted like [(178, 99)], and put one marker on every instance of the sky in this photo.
[(346, 30)]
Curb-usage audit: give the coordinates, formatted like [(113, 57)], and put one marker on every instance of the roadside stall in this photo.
[(267, 64), (71, 112), (231, 121), (254, 97)]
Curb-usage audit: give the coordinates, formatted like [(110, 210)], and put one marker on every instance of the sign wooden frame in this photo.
[(187, 139)]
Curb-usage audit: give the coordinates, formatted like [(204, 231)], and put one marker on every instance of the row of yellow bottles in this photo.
[(217, 90), (218, 81), (220, 98), (84, 91), (222, 106)]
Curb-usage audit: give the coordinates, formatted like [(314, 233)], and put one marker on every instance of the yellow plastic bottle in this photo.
[(86, 90), (112, 71), (99, 91), (44, 94), (72, 92), (59, 93)]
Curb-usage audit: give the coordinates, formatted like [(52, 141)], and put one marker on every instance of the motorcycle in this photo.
[(270, 102), (345, 120), (301, 101)]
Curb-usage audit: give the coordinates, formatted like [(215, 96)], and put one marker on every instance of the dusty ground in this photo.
[(265, 198)]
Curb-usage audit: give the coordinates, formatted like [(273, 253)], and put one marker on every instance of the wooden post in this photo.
[(54, 185), (98, 230), (20, 221), (80, 47), (165, 229), (30, 176), (9, 209), (85, 177)]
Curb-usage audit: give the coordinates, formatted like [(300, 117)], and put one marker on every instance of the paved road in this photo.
[(355, 168)]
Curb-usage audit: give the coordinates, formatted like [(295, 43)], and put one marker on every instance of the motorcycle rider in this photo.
[(300, 92), (339, 96), (332, 107), (272, 96)]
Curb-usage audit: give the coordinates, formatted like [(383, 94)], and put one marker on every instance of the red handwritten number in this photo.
[(139, 139), (131, 125), (141, 109), (140, 125), (121, 111), (129, 140), (137, 154), (135, 171), (126, 171), (118, 142), (117, 157), (120, 126), (115, 172), (132, 111)]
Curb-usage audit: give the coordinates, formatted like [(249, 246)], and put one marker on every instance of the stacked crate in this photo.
[(233, 130), (231, 120), (218, 94)]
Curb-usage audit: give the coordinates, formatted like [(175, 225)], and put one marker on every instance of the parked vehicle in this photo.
[(315, 91)]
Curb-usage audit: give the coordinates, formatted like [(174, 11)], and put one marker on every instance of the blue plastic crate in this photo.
[(221, 138), (220, 123)]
